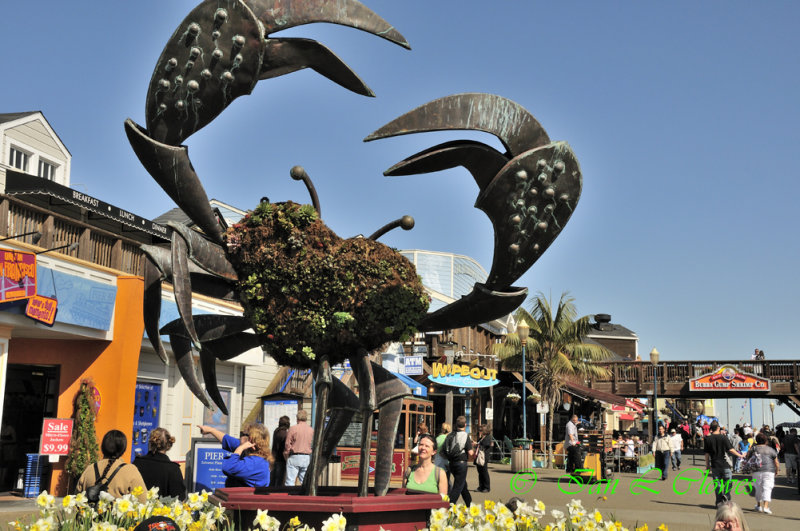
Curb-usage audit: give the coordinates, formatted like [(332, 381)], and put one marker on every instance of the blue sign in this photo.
[(206, 465), (146, 408)]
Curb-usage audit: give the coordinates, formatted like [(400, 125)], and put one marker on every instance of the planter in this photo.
[(397, 510)]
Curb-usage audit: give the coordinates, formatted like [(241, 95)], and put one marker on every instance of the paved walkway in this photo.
[(691, 511)]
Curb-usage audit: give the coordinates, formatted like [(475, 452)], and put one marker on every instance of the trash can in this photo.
[(35, 465), (332, 474), (521, 459)]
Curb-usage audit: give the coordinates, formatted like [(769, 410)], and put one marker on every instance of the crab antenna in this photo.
[(406, 223), (298, 173)]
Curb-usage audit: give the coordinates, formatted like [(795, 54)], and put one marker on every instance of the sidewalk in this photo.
[(693, 511)]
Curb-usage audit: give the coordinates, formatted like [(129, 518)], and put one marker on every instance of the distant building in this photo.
[(616, 338)]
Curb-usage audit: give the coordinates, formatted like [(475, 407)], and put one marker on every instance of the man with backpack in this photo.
[(458, 450), (716, 446)]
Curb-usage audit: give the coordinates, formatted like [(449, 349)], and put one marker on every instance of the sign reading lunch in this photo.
[(729, 378), (462, 375)]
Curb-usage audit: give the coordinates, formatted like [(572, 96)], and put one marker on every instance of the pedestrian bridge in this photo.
[(636, 378)]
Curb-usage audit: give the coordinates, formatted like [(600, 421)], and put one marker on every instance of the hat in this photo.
[(157, 523), (672, 430)]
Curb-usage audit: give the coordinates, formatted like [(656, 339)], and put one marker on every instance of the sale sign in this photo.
[(56, 434)]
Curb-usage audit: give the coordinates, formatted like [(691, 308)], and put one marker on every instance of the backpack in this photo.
[(753, 463), (101, 485), (452, 450)]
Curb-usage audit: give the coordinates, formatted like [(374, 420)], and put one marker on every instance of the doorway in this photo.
[(31, 395)]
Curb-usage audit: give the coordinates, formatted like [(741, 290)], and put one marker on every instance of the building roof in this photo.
[(14, 116), (11, 116), (611, 330)]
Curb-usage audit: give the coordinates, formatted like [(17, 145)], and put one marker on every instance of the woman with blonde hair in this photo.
[(249, 464), (156, 468), (729, 516)]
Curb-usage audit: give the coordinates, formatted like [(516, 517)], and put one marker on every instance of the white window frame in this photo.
[(51, 165), (24, 152)]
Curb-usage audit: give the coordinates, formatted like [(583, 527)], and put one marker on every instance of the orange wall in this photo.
[(112, 365)]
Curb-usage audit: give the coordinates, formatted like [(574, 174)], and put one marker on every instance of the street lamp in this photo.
[(522, 331), (772, 411), (654, 360)]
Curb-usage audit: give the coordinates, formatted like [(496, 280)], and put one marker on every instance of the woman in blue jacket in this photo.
[(249, 464)]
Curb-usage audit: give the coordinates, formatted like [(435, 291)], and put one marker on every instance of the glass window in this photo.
[(47, 170), (18, 159)]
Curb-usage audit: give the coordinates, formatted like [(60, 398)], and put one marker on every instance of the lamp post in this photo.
[(522, 331), (772, 412), (654, 360)]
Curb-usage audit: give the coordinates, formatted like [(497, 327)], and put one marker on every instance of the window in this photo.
[(47, 170), (18, 159)]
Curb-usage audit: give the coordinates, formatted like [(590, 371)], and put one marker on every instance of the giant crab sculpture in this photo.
[(372, 294)]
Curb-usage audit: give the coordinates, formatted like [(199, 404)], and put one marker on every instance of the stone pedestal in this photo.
[(398, 510)]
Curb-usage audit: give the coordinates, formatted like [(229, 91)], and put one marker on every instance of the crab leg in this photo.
[(172, 170), (389, 394), (221, 337), (362, 368)]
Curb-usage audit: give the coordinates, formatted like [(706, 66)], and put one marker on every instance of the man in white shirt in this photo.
[(676, 447), (572, 445)]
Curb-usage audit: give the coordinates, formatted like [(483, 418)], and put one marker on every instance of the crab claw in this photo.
[(528, 193), (222, 48)]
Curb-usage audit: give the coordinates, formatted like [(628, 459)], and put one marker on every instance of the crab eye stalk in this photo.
[(298, 173), (405, 223)]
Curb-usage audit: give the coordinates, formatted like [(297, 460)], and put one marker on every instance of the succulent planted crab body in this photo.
[(310, 294), (310, 298)]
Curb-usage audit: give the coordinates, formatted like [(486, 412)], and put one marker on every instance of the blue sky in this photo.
[(683, 117)]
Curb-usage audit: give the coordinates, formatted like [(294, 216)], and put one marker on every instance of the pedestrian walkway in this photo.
[(692, 511)]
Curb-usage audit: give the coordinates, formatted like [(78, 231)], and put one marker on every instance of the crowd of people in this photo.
[(252, 460)]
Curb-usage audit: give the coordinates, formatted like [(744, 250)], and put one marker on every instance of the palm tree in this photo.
[(555, 350)]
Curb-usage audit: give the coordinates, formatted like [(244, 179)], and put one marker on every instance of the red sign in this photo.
[(42, 309), (17, 275), (352, 458), (728, 378), (56, 434)]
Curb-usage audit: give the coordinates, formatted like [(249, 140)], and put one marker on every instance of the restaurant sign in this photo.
[(729, 378), (17, 275), (458, 375)]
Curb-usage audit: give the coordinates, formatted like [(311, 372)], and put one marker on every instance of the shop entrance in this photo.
[(31, 395)]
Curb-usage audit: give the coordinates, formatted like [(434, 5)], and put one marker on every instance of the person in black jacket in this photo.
[(156, 468), (278, 476)]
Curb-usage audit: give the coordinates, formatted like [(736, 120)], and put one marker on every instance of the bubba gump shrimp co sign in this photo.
[(729, 378)]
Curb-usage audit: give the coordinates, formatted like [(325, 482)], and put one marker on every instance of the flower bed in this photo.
[(196, 513)]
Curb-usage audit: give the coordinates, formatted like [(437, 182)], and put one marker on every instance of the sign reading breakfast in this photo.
[(729, 378)]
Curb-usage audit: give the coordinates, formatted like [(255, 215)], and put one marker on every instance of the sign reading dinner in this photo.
[(729, 378), (462, 375)]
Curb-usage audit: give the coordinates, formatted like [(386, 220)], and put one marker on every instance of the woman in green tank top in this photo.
[(425, 476)]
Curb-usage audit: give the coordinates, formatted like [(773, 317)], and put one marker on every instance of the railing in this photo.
[(672, 373), (96, 245)]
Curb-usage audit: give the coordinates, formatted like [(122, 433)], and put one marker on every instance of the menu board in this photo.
[(275, 409), (146, 409)]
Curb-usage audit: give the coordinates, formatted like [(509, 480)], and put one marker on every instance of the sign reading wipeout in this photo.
[(458, 375), (729, 378)]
